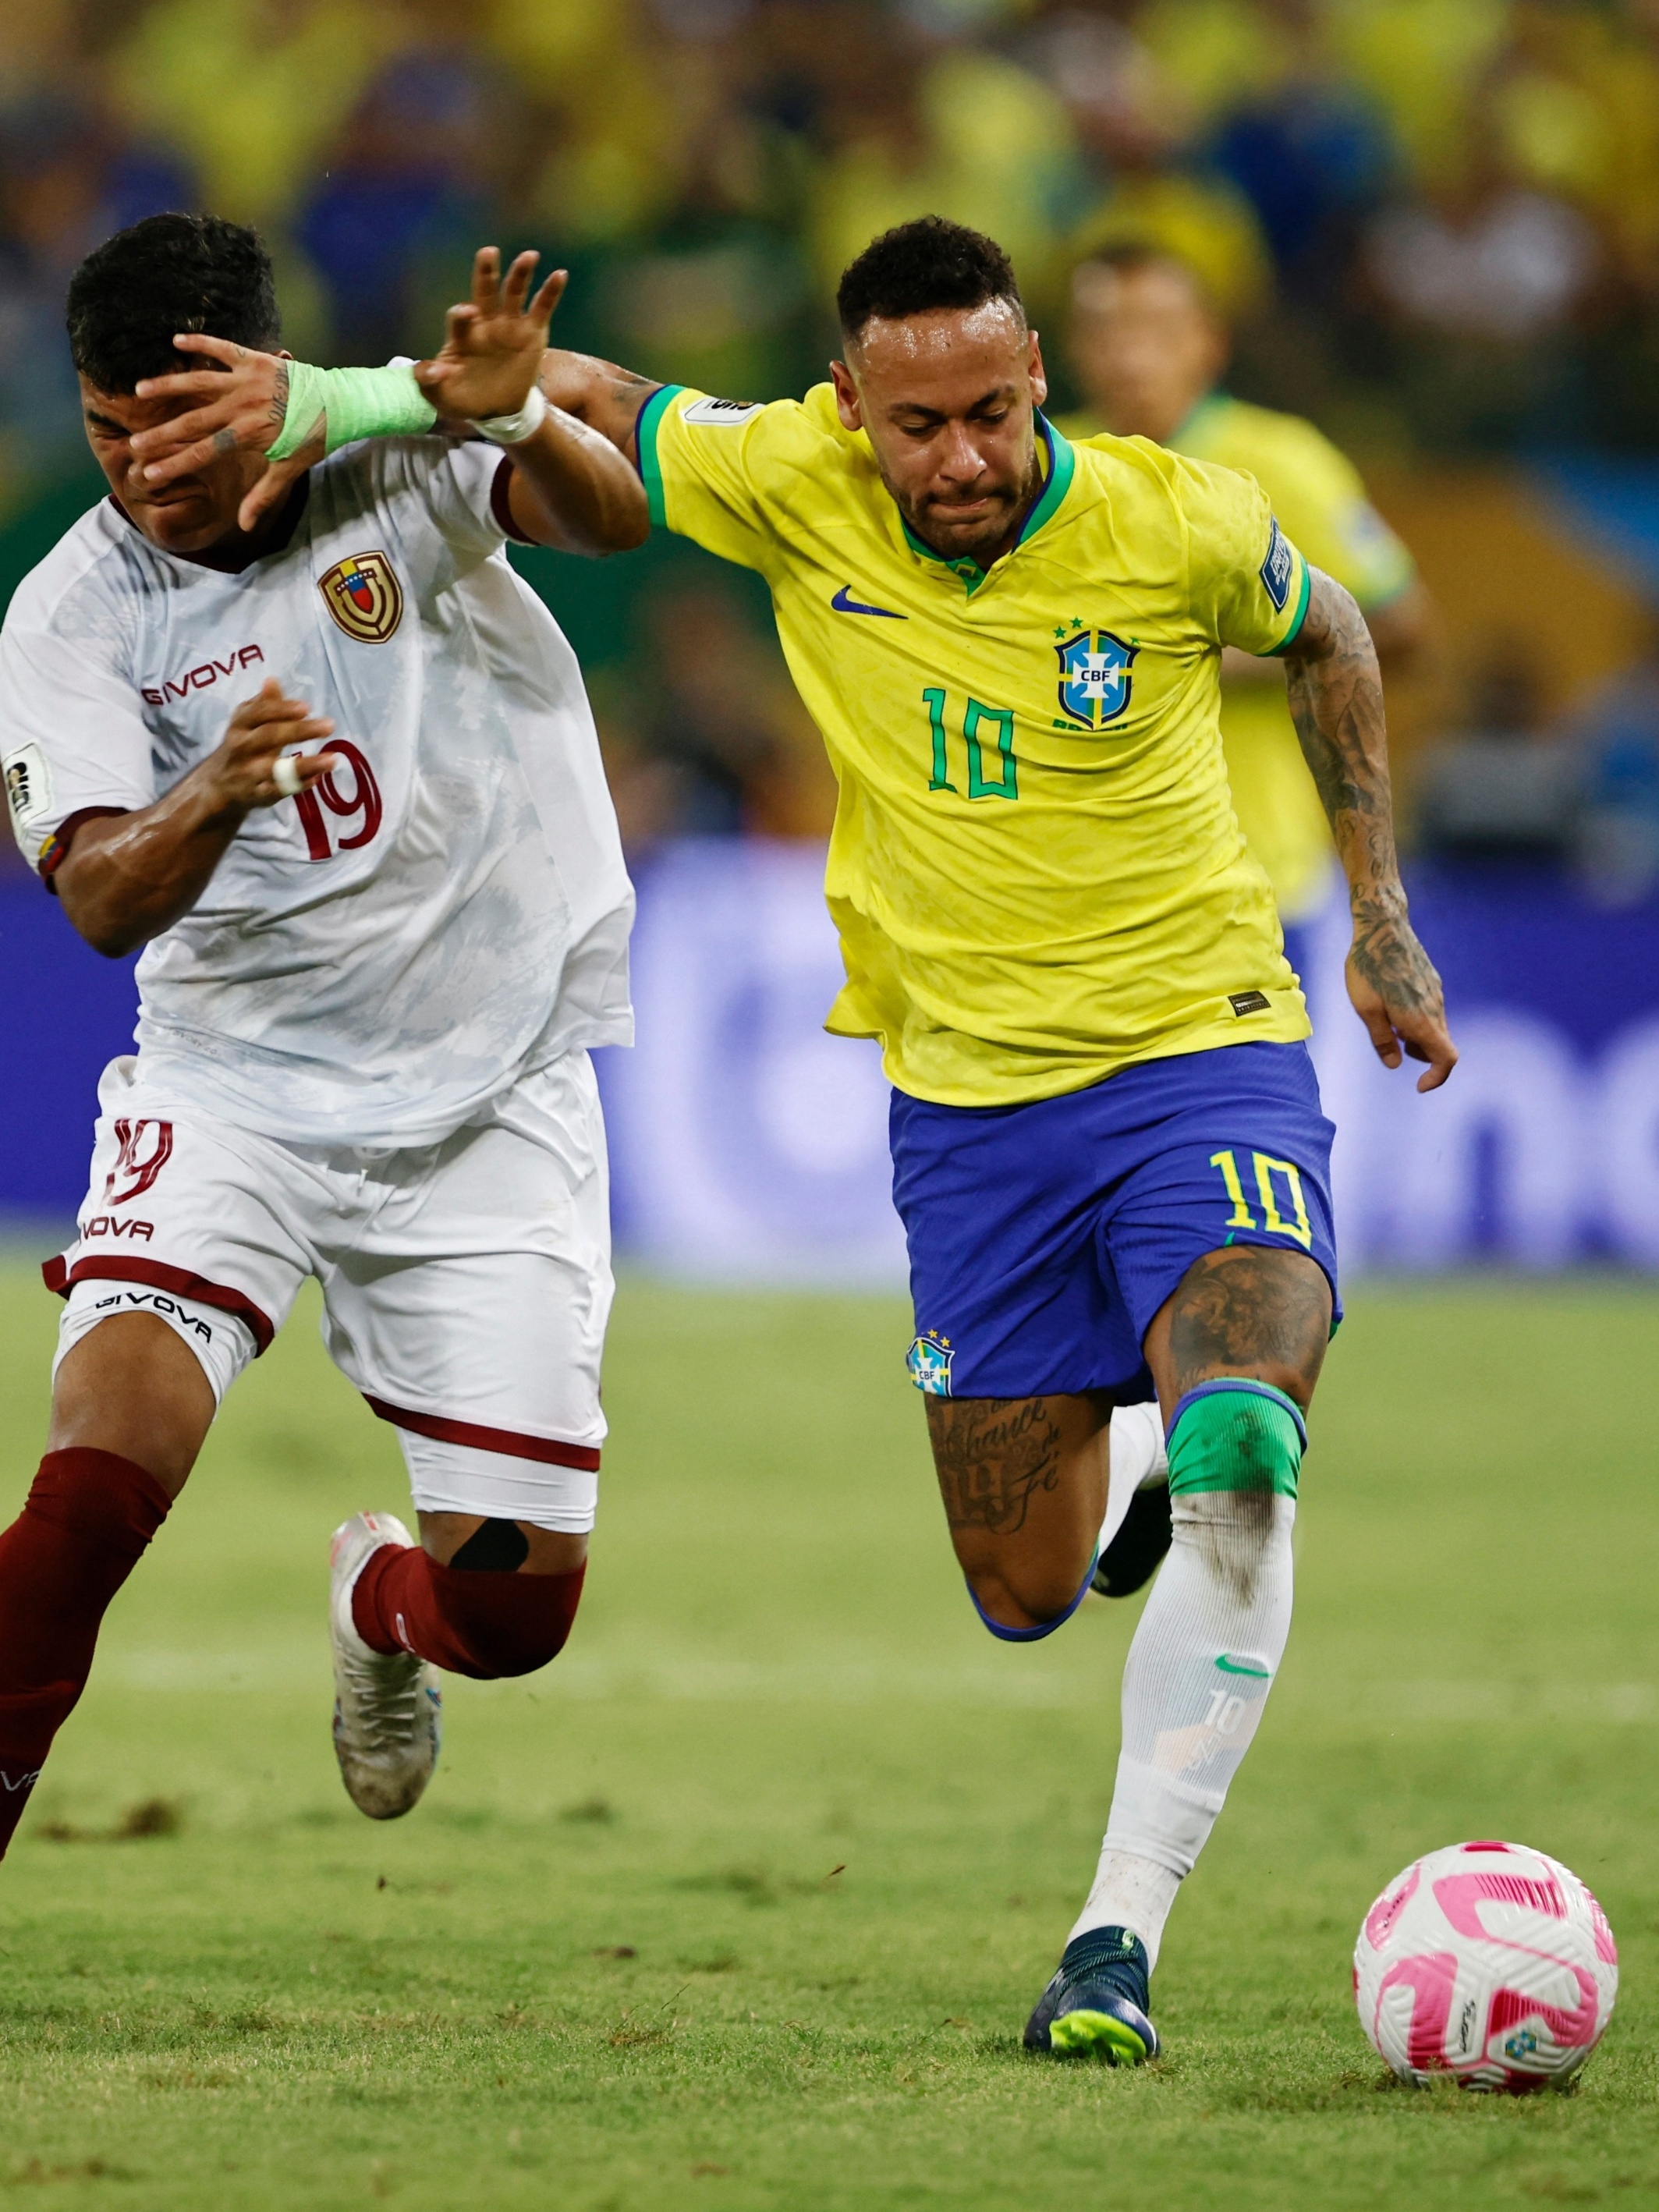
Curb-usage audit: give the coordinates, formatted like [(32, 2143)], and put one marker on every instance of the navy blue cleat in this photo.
[(1135, 1553), (1096, 2005)]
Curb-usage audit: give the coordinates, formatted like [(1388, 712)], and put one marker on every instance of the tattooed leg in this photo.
[(1249, 1309), (1023, 1482)]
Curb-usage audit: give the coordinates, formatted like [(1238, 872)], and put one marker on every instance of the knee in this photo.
[(1032, 1600), (1236, 1436)]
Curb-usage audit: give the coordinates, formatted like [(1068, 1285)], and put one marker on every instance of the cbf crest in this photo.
[(929, 1362), (363, 595), (1094, 675)]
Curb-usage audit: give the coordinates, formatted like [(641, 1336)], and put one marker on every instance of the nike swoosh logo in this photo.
[(1231, 1667), (845, 603)]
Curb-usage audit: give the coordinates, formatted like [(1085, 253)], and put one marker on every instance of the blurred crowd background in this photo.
[(1433, 224)]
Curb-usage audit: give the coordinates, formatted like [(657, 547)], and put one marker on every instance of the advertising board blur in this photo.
[(749, 1147)]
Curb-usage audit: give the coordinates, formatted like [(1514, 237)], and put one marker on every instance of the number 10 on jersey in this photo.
[(982, 726), (361, 803)]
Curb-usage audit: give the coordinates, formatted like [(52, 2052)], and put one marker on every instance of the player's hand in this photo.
[(1396, 993), (493, 345), (243, 770), (244, 405)]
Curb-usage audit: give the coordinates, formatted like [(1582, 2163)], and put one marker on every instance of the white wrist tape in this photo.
[(514, 429)]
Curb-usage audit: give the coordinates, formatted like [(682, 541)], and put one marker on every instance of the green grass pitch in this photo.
[(743, 1903)]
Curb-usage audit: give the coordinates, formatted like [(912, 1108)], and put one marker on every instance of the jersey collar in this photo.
[(1061, 466)]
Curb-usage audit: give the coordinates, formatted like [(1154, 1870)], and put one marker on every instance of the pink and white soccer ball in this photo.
[(1490, 1962)]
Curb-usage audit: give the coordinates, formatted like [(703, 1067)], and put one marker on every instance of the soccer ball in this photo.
[(1489, 1962)]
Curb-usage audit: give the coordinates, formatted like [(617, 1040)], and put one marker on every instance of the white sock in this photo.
[(1198, 1671), (1136, 1462)]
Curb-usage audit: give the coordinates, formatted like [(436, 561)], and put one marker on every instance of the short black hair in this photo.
[(133, 294), (922, 266)]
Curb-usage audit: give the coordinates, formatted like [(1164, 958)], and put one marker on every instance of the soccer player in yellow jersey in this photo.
[(1108, 1152), (1149, 348)]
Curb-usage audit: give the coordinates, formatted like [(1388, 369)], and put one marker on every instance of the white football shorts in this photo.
[(466, 1284)]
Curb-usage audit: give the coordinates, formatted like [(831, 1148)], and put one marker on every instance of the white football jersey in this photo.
[(373, 961)]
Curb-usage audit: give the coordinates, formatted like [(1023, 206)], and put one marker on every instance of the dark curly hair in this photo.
[(924, 266), (168, 273)]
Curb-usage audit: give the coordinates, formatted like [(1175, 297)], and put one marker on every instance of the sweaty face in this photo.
[(948, 399), (1145, 345), (191, 514)]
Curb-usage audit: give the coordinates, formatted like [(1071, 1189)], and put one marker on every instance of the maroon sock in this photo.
[(469, 1622), (84, 1525)]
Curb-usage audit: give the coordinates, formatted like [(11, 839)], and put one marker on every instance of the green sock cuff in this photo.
[(1242, 1435), (357, 402)]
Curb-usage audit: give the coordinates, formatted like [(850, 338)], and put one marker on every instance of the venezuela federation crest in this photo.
[(363, 595), (1093, 675)]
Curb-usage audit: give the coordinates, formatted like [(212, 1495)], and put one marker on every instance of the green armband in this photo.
[(356, 403)]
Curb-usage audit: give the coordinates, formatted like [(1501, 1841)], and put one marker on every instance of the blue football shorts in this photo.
[(1043, 1238)]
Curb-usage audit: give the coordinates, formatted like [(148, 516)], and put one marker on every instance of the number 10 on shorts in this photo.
[(1271, 1219)]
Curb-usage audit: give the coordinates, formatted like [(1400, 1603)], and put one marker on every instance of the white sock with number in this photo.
[(1198, 1671)]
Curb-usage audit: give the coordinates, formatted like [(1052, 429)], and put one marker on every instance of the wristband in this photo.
[(355, 403), (514, 429)]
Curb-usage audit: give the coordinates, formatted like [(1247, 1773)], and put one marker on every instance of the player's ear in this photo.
[(846, 396), (282, 354), (1039, 374)]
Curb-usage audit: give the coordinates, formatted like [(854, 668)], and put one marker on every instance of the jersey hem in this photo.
[(1286, 1028), (650, 462)]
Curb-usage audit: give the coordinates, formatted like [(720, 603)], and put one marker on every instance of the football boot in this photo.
[(388, 1710), (1096, 2005)]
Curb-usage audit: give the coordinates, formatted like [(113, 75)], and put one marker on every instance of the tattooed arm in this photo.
[(1336, 703)]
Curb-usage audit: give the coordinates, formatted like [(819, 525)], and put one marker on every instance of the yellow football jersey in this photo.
[(1321, 503), (1035, 868)]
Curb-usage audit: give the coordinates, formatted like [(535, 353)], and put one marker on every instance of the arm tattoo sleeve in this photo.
[(1335, 696)]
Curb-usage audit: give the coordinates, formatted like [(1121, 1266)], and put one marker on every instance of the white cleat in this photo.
[(388, 1711)]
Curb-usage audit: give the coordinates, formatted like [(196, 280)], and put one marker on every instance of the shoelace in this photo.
[(384, 1712)]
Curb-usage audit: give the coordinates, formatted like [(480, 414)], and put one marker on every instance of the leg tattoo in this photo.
[(993, 1456)]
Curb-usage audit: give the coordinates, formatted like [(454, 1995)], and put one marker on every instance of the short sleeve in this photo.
[(1248, 583), (459, 482), (704, 464), (75, 742)]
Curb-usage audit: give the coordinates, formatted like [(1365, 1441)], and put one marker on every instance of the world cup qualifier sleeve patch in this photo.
[(929, 1362), (1276, 569)]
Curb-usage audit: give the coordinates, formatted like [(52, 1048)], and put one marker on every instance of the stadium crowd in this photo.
[(1435, 223)]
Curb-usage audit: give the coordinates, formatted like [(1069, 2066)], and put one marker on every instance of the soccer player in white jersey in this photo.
[(300, 731)]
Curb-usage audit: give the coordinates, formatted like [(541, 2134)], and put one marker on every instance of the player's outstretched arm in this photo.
[(1336, 701), (128, 877), (570, 486), (599, 393)]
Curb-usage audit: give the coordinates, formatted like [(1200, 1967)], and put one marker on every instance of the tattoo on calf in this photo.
[(993, 1456), (1249, 1307)]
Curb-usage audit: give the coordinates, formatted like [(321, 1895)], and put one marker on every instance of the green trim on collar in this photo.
[(1063, 467), (1298, 618), (650, 468)]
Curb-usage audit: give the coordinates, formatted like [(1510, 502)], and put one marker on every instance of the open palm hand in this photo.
[(493, 345)]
